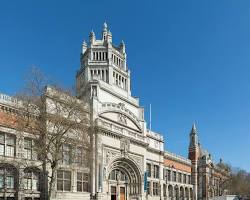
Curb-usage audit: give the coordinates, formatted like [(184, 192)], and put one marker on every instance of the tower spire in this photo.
[(193, 130), (193, 155), (193, 136)]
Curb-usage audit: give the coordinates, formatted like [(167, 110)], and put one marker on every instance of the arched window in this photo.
[(170, 191), (176, 192), (31, 179), (181, 192), (186, 193), (191, 193), (164, 190)]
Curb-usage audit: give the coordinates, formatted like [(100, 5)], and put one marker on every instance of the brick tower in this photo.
[(193, 155)]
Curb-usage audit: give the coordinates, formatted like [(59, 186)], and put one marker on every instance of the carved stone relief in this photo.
[(122, 118), (138, 160), (109, 155)]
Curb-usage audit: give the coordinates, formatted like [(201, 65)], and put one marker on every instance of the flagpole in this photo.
[(150, 117)]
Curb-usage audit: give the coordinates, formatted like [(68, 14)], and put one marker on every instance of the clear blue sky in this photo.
[(189, 59)]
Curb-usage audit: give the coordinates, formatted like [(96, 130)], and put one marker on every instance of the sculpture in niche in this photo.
[(118, 176), (125, 145)]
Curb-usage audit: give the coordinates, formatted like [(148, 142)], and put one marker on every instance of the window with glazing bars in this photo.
[(82, 182), (63, 180), (7, 144)]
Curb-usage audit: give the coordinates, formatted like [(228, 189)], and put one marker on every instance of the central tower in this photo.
[(104, 62), (119, 137)]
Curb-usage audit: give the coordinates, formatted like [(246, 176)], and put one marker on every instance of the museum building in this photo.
[(128, 160)]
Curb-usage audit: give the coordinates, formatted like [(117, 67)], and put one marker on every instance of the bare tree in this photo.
[(53, 117), (240, 183)]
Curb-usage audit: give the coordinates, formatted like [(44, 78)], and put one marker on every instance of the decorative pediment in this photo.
[(120, 114), (121, 118), (119, 107)]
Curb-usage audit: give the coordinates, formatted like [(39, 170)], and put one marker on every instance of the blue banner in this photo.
[(145, 181)]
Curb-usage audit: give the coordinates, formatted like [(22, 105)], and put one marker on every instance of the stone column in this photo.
[(74, 181), (20, 193)]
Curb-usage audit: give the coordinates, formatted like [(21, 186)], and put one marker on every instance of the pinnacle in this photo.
[(193, 130), (105, 26)]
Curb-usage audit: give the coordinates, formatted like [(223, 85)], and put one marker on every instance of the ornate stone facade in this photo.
[(128, 160)]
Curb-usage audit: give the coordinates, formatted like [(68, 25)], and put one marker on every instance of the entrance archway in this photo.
[(124, 179)]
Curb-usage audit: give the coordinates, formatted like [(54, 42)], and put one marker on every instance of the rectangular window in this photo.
[(82, 182), (156, 171), (10, 145), (179, 177), (27, 148), (169, 175), (155, 189), (1, 149), (66, 154), (149, 170), (35, 183), (184, 178), (7, 144), (31, 180), (63, 180), (79, 156), (9, 182), (1, 181), (2, 144), (174, 176), (28, 185)]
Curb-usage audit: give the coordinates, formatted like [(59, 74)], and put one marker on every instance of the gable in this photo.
[(122, 119)]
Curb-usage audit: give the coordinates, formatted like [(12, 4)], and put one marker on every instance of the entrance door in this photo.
[(122, 193), (113, 193)]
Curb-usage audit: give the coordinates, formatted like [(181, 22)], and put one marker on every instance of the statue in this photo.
[(125, 145), (122, 118)]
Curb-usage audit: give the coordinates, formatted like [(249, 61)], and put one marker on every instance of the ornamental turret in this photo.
[(122, 47), (84, 47), (105, 31), (109, 38), (92, 37)]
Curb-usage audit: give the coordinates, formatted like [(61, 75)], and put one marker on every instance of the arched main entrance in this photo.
[(124, 180)]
